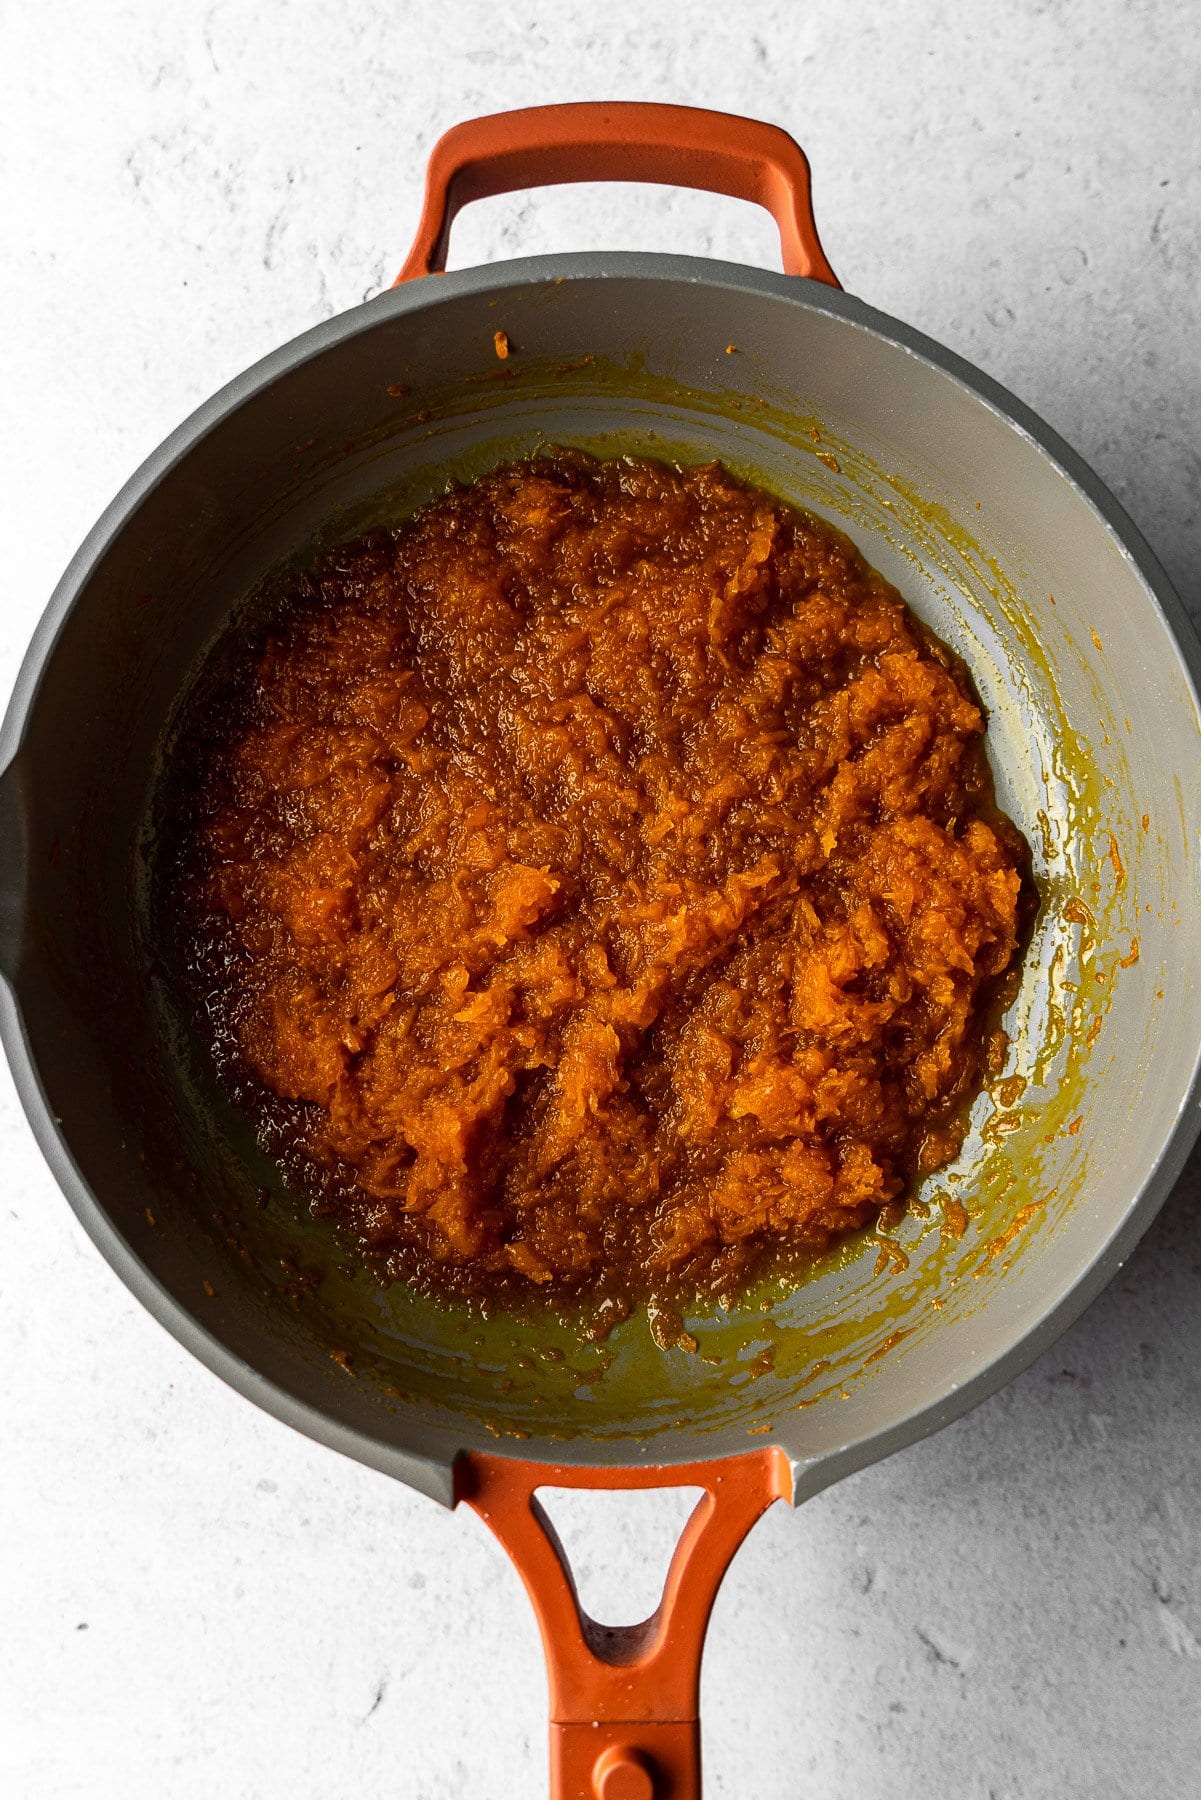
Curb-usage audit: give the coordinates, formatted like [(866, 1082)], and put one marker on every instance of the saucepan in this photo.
[(998, 536)]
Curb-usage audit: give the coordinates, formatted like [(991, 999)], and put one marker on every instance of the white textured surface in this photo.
[(195, 1601)]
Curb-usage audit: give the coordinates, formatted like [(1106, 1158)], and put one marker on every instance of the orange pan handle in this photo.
[(541, 146), (624, 1700)]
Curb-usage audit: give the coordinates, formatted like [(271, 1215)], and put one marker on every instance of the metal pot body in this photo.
[(997, 536)]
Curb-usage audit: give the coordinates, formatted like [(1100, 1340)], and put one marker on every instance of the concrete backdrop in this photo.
[(199, 1603)]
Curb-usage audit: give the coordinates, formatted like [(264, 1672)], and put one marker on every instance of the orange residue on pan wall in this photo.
[(955, 1217), (819, 1368), (1001, 1125), (1077, 913), (891, 1256), (1001, 1242), (890, 1343), (1115, 857)]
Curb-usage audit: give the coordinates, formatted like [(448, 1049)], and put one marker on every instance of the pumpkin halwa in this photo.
[(594, 883)]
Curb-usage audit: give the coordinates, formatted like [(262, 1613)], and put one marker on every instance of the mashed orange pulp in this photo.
[(594, 883)]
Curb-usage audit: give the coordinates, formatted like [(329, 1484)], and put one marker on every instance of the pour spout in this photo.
[(12, 869)]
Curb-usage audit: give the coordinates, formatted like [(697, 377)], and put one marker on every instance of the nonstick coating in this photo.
[(999, 538)]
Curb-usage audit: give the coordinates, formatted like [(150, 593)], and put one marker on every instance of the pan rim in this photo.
[(418, 1469)]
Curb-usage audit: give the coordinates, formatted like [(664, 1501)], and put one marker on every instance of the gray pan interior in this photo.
[(996, 534)]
